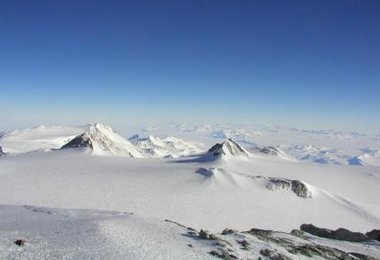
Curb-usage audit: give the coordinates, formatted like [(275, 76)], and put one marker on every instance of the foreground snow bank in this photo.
[(89, 234)]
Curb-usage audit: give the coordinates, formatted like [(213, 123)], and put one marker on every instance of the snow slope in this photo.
[(239, 191), (342, 196), (90, 234)]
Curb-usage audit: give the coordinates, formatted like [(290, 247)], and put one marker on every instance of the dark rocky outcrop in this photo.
[(338, 234), (374, 234), (347, 235), (316, 231), (228, 231), (1, 151), (298, 187), (20, 242), (203, 234), (273, 245)]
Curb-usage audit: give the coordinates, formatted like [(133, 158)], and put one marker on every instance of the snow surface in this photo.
[(90, 234), (172, 188), (238, 192), (51, 233)]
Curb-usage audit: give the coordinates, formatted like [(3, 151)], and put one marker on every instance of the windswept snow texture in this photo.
[(169, 147), (342, 196), (103, 140), (90, 234), (240, 191), (51, 233)]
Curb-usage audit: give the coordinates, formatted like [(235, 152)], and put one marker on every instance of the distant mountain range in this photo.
[(101, 139)]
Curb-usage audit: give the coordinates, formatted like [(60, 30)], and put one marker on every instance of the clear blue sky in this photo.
[(296, 63)]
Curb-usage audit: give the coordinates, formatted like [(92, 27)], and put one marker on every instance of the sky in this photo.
[(307, 64)]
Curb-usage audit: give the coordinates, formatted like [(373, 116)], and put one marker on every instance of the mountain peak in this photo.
[(228, 148), (102, 139)]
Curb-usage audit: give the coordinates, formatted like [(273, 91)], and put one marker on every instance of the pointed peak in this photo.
[(102, 139), (228, 147)]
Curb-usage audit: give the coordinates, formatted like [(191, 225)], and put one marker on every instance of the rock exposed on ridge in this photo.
[(374, 234), (82, 140), (338, 234), (316, 231), (298, 187)]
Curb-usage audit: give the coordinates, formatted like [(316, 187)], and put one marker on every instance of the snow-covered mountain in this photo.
[(228, 148), (103, 140), (169, 147)]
